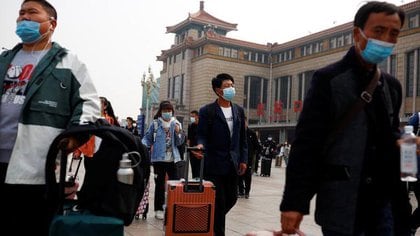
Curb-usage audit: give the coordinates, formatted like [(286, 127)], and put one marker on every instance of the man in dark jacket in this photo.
[(353, 168), (244, 184), (192, 141), (222, 134)]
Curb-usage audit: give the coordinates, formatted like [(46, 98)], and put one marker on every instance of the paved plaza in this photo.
[(259, 212)]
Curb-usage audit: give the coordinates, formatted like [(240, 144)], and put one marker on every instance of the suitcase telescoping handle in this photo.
[(187, 187)]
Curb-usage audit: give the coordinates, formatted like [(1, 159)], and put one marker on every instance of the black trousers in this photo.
[(256, 163), (226, 197), (415, 217), (195, 166), (244, 183), (20, 203), (161, 169)]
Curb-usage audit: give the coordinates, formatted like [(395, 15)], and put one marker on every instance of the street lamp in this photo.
[(148, 84)]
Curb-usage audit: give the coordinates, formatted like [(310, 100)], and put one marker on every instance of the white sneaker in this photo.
[(159, 215)]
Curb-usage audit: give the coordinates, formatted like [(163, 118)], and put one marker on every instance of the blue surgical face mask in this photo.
[(192, 119), (376, 51), (28, 31), (166, 115), (228, 93)]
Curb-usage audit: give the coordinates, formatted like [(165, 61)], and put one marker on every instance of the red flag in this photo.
[(297, 106), (260, 109)]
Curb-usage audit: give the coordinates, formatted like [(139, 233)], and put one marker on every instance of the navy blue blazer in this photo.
[(223, 152)]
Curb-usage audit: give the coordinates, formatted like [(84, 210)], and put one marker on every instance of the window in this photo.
[(304, 83), (257, 90), (234, 53), (333, 43), (252, 56), (340, 41), (200, 51), (290, 54), (412, 74), (279, 58), (283, 91), (409, 78), (286, 55), (220, 51), (309, 49), (260, 57), (348, 38), (169, 88), (389, 65), (177, 88), (249, 56), (182, 38), (413, 20), (227, 52)]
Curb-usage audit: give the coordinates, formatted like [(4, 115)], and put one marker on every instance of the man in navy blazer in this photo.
[(222, 134)]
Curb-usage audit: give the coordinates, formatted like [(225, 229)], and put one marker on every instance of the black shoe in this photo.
[(246, 196), (240, 196)]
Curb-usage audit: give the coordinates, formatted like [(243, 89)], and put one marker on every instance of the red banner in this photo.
[(260, 109), (278, 107), (297, 106)]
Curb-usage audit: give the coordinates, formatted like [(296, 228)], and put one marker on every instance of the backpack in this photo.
[(101, 193)]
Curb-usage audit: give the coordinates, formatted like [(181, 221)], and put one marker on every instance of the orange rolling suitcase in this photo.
[(190, 205)]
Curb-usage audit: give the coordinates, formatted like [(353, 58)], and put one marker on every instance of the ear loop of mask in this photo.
[(364, 36), (40, 39)]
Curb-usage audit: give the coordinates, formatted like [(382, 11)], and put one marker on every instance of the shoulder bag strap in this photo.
[(364, 98)]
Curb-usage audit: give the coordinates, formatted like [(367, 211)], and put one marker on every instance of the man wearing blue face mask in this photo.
[(192, 141), (46, 89), (345, 149), (221, 132)]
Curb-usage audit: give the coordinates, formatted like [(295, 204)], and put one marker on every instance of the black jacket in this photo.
[(224, 152), (254, 146), (361, 165)]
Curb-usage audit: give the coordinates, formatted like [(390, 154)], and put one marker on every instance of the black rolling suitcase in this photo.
[(265, 166)]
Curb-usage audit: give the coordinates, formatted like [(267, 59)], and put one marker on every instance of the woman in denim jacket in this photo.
[(162, 137)]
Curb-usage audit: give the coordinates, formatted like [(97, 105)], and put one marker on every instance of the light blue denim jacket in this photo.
[(159, 144)]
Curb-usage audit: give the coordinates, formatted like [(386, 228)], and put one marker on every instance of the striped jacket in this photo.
[(60, 94)]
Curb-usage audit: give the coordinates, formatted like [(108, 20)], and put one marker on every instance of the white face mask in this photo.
[(192, 119)]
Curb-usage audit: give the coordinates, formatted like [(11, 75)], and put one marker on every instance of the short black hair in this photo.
[(376, 7), (47, 7), (217, 81), (195, 112)]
